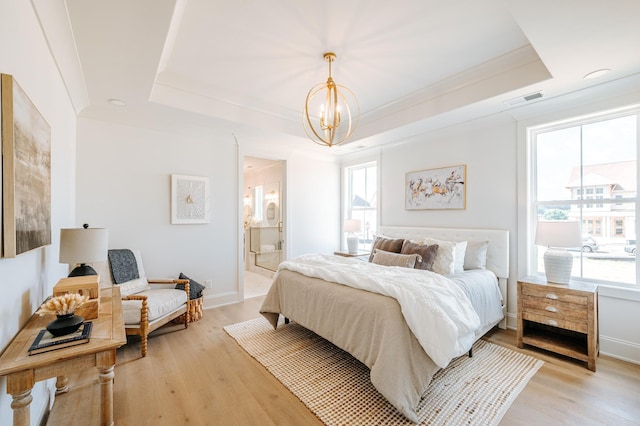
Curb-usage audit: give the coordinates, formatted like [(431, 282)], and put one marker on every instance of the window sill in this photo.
[(625, 293)]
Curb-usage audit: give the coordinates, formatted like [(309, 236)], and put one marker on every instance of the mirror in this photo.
[(272, 216), (271, 211), (271, 203)]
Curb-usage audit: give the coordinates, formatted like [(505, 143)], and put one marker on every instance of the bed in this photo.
[(377, 313)]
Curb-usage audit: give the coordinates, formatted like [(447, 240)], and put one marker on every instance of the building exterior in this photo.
[(604, 183)]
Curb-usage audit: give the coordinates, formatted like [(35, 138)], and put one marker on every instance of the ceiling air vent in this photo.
[(523, 99)]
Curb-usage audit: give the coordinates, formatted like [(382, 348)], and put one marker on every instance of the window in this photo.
[(361, 193), (258, 196), (576, 164)]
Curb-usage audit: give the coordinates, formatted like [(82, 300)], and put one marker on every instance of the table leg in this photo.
[(19, 385), (62, 384), (106, 362), (20, 406)]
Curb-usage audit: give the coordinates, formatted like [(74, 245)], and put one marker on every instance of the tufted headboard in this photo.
[(497, 252)]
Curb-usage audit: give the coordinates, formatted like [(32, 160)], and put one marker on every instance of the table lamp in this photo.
[(557, 235), (79, 246), (352, 226)]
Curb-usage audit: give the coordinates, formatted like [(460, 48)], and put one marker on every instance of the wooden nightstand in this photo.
[(559, 318)]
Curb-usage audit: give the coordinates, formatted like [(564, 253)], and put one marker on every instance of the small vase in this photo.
[(65, 324)]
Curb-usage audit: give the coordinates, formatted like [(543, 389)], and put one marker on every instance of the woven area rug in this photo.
[(337, 389)]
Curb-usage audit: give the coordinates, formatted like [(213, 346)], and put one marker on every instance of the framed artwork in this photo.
[(443, 188), (26, 172), (189, 199)]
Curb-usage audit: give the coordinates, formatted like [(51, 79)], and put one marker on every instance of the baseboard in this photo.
[(220, 299), (620, 349), (512, 321)]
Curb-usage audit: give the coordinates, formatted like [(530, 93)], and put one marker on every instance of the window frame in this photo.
[(528, 193), (347, 208)]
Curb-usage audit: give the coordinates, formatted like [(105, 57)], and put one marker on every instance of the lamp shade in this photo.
[(558, 233), (83, 245), (352, 225)]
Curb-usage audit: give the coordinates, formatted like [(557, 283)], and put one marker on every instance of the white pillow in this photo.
[(461, 249), (450, 256), (387, 258), (475, 256), (133, 286)]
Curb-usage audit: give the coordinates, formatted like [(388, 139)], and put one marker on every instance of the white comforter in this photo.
[(437, 312)]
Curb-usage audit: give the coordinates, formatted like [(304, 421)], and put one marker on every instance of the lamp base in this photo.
[(558, 265), (82, 270), (352, 244)]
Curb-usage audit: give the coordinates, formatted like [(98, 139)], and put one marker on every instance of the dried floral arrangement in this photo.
[(62, 305)]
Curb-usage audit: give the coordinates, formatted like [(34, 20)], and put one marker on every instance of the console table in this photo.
[(23, 371)]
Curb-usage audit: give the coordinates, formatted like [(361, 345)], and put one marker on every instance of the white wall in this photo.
[(27, 279), (313, 209), (124, 185)]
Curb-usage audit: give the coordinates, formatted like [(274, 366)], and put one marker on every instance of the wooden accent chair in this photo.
[(146, 309)]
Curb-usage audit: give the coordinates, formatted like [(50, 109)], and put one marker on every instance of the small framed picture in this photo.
[(189, 199), (442, 188)]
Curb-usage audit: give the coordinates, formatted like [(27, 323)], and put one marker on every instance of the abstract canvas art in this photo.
[(26, 172), (442, 188), (189, 199)]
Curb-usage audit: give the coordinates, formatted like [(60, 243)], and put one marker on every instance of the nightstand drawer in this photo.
[(556, 294), (555, 309), (566, 324)]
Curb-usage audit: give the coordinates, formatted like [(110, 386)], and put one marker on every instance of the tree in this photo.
[(554, 214)]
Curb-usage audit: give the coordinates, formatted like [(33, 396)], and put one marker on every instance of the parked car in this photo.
[(630, 247), (589, 244)]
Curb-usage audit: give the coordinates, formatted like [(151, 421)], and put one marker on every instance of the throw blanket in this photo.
[(437, 312), (123, 265)]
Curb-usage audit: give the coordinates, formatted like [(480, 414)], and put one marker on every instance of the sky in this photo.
[(558, 152)]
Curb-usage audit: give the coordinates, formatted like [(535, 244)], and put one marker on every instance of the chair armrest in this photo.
[(144, 310), (166, 281), (171, 281)]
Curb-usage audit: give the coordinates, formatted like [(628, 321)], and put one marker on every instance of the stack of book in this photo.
[(46, 341)]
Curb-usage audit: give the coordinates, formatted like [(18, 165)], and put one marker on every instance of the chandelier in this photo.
[(337, 107)]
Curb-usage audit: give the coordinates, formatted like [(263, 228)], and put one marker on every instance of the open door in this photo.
[(263, 209)]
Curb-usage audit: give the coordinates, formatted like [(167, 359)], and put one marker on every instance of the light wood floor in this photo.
[(200, 376)]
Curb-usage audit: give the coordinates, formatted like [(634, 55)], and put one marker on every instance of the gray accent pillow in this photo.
[(427, 253), (123, 265), (386, 244), (195, 288)]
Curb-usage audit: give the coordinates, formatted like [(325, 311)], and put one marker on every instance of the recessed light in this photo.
[(597, 73), (117, 102)]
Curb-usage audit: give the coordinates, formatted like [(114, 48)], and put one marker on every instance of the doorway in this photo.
[(263, 224)]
